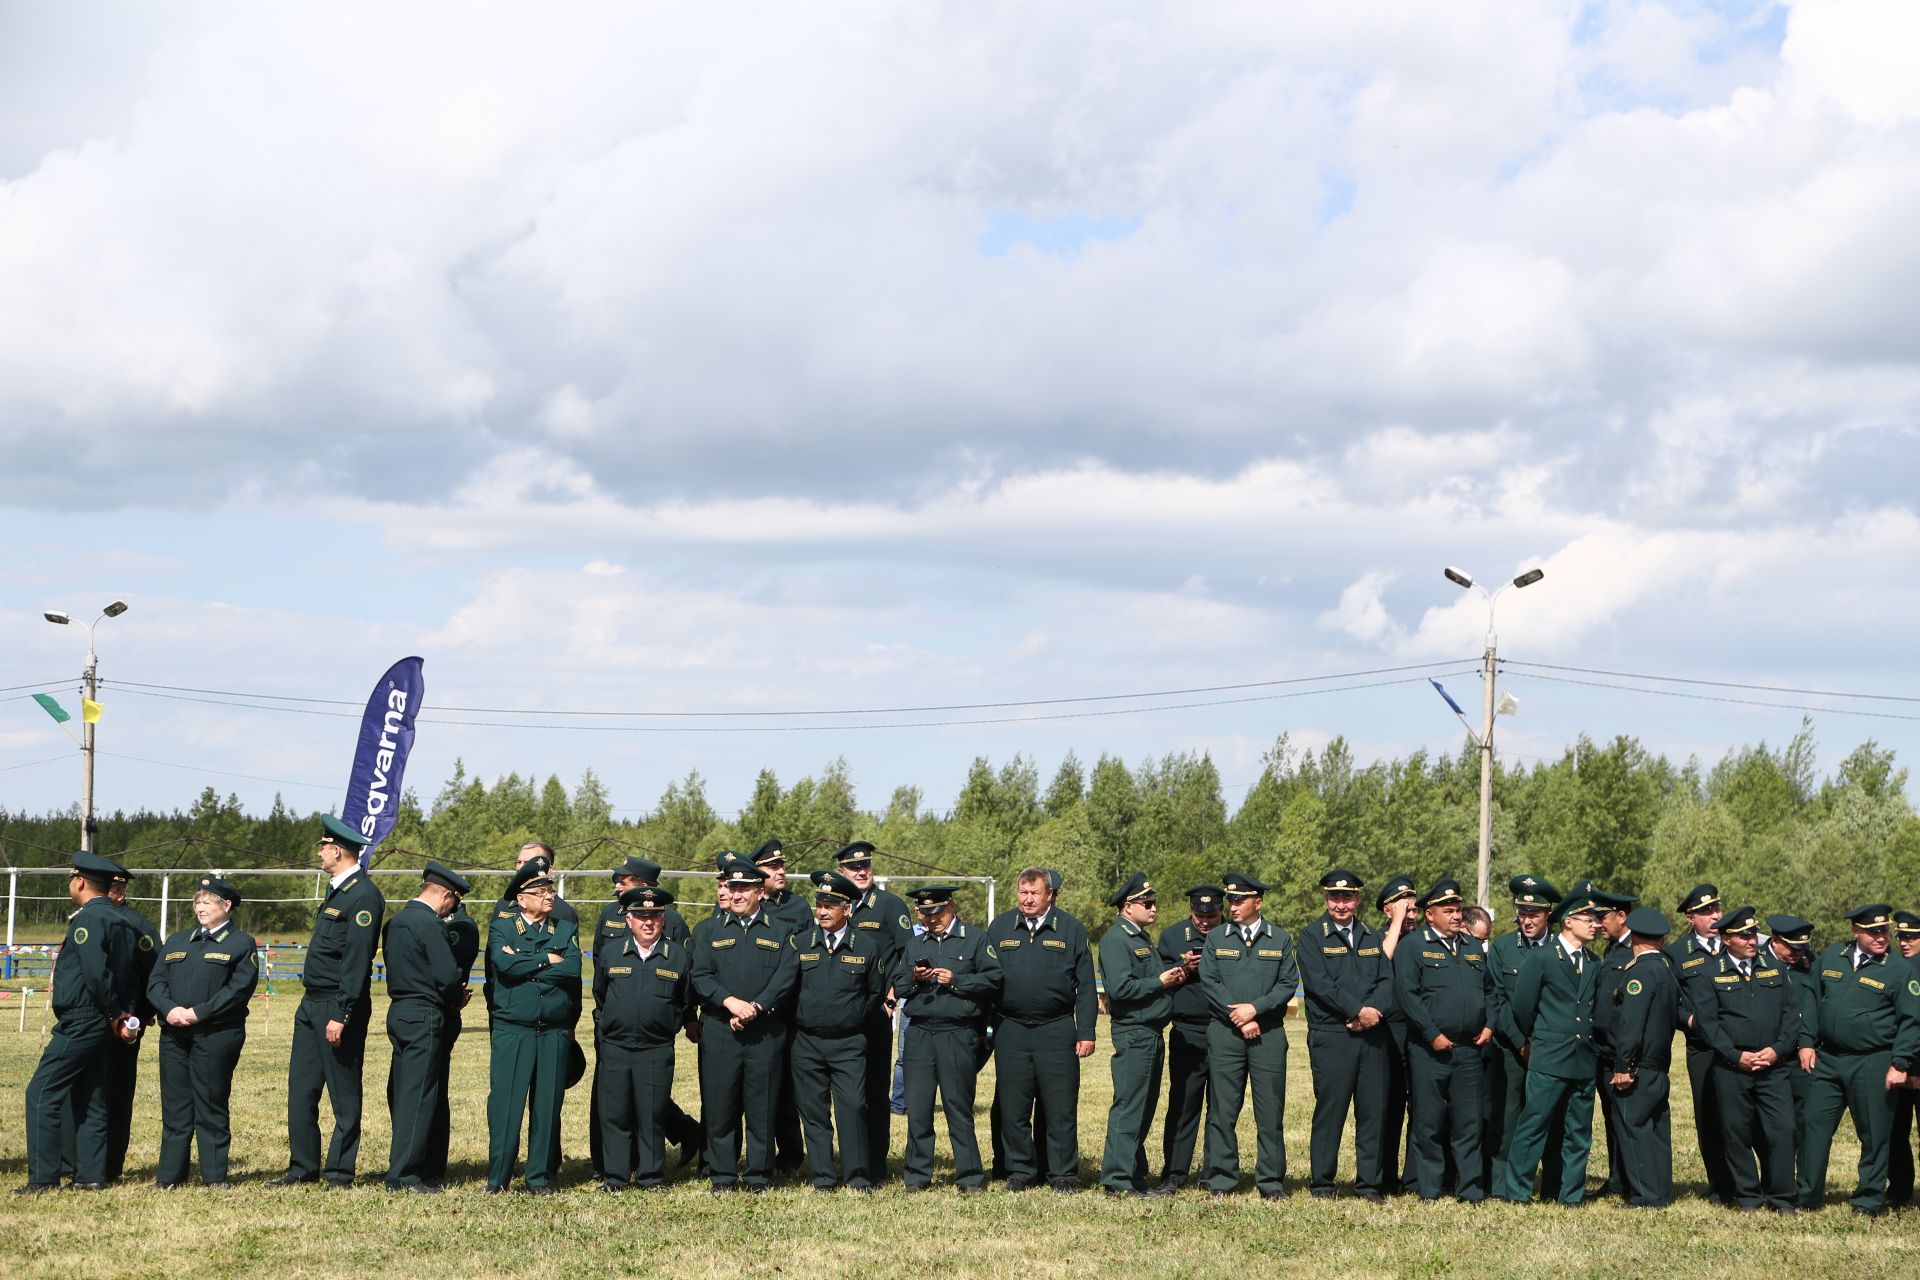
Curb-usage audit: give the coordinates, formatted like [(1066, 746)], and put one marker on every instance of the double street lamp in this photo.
[(1464, 580), (92, 688)]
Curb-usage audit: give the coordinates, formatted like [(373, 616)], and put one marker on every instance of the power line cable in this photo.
[(1742, 702), (225, 773), (38, 684), (8, 768), (1716, 684)]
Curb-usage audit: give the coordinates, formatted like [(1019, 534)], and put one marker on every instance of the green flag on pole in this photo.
[(52, 708)]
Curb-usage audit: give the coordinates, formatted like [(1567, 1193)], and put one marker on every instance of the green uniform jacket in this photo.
[(838, 993), (1749, 1014), (1806, 990), (1507, 953), (750, 961), (976, 978), (1264, 973), (1130, 968), (789, 910), (1613, 967), (529, 990), (642, 1002), (346, 929), (1046, 975), (146, 951), (885, 914), (94, 970), (1341, 980), (1552, 1009), (509, 909), (1189, 1001), (1448, 992), (1873, 1009), (213, 975), (463, 936), (419, 953), (612, 930), (1646, 1000), (1692, 965)]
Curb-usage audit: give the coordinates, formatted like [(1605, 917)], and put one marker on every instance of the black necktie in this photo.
[(1346, 936), (1579, 966)]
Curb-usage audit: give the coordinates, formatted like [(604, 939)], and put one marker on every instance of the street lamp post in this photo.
[(1465, 581), (92, 689)]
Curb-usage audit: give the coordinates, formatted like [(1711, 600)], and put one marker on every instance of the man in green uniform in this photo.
[(1139, 985), (1869, 1038), (743, 976), (93, 999), (507, 908), (1182, 944), (840, 984), (1791, 942), (536, 973), (1646, 1001), (1906, 936), (612, 930), (1749, 1013), (330, 1026), (791, 912), (463, 939), (951, 974), (1250, 974), (200, 992), (1399, 918), (884, 915), (424, 987), (123, 1056), (643, 998), (1348, 983), (1505, 1090), (1047, 1010), (1693, 956), (1444, 985), (1616, 941), (1551, 1017)]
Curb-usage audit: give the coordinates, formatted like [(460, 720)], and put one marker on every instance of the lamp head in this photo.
[(56, 617), (1458, 577), (119, 607), (1530, 577)]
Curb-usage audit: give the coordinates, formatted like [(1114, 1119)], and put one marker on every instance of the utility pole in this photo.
[(90, 679), (1464, 580)]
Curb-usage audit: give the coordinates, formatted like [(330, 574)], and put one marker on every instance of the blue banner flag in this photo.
[(1441, 690), (386, 736)]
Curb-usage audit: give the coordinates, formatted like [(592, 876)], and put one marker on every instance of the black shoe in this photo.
[(89, 1186), (1124, 1193), (338, 1184), (1063, 1186), (169, 1186), (1784, 1210), (221, 1185), (1171, 1182), (1860, 1211), (540, 1191), (824, 1188), (1019, 1184), (1321, 1193), (1370, 1196), (35, 1188), (294, 1180), (913, 1188), (723, 1188), (611, 1188), (495, 1191), (972, 1190), (1161, 1192)]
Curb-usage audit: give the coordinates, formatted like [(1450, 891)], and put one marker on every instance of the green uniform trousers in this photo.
[(789, 1143), (1802, 1082), (433, 1160), (1394, 1120), (69, 1090), (946, 1059), (415, 1088), (1855, 1082), (1551, 1104), (1186, 1097), (314, 1066), (1349, 1070), (1645, 1128), (123, 1075), (1038, 1063), (1237, 1066), (633, 1088), (878, 1036), (1496, 1143), (740, 1088), (528, 1076), (1900, 1149), (679, 1128), (830, 1085), (196, 1082), (1609, 1104), (1443, 1128), (1756, 1119), (1138, 1053), (1706, 1124)]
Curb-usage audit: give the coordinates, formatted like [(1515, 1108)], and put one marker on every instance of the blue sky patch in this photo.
[(1063, 237)]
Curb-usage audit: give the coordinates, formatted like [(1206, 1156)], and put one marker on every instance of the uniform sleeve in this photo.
[(1707, 1020), (1317, 978), (780, 983), (983, 981), (1086, 996), (1500, 1018), (1523, 1008), (1212, 985), (1906, 1031), (1806, 999), (567, 944), (512, 965), (706, 981), (356, 959), (1407, 993), (1286, 982), (160, 988), (1629, 1031), (1116, 969), (242, 976), (1786, 1035)]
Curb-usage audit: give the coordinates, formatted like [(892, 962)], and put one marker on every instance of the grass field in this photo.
[(136, 1230)]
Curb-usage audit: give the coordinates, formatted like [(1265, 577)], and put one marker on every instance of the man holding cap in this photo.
[(1249, 972), (1182, 944), (330, 1026), (1869, 1039), (1533, 898), (1139, 985), (1348, 980), (535, 958), (643, 998), (93, 998), (1446, 988), (1750, 1015), (883, 915), (1646, 1001), (840, 981), (200, 991), (952, 975), (743, 975), (426, 990)]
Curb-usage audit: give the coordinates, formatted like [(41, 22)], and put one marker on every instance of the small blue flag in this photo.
[(1442, 691)]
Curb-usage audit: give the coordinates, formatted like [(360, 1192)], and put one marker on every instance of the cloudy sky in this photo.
[(848, 356)]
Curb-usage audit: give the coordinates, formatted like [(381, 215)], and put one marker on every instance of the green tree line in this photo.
[(1759, 823)]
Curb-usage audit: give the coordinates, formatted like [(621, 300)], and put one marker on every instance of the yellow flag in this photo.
[(89, 711)]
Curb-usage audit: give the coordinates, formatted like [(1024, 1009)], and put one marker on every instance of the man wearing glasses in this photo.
[(536, 967), (330, 1027)]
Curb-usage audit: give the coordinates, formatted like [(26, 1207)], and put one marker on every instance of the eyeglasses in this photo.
[(545, 891)]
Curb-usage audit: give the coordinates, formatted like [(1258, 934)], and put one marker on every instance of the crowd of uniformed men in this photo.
[(1488, 1054)]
